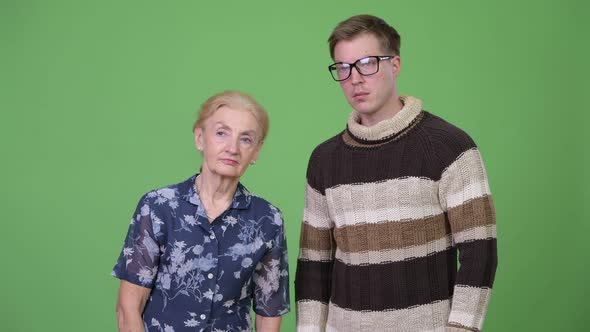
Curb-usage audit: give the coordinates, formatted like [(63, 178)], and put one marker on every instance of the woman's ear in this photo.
[(258, 148), (199, 138)]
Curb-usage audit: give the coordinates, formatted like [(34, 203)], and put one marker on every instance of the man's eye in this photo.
[(220, 133), (365, 62), (344, 68)]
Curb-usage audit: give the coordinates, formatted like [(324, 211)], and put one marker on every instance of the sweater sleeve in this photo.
[(316, 255), (465, 196)]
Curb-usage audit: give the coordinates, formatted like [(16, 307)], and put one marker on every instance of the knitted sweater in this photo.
[(388, 209)]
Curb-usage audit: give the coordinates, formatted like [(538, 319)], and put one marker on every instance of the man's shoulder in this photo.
[(446, 141), (328, 145), (443, 132)]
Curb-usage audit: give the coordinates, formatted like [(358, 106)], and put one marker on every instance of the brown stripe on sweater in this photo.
[(390, 255), (313, 280), (397, 285), (478, 263), (340, 164), (474, 213), (315, 238), (350, 141), (391, 235)]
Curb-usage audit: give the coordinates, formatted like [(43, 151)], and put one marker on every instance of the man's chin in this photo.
[(362, 106), (363, 109)]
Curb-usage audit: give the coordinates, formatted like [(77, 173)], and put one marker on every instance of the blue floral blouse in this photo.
[(204, 276)]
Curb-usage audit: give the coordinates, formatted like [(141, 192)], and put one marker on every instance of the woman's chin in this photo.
[(228, 171)]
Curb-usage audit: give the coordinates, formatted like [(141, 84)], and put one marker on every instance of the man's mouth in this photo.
[(360, 95)]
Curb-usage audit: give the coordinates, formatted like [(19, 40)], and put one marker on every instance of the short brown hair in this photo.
[(354, 26), (235, 100)]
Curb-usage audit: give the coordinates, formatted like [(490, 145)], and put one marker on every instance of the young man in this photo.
[(389, 204)]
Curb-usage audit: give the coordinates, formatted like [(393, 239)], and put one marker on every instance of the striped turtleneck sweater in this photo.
[(390, 211)]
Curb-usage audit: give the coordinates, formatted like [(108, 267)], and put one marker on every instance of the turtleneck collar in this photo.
[(388, 128)]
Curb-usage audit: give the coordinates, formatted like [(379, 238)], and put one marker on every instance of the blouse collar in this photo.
[(241, 199)]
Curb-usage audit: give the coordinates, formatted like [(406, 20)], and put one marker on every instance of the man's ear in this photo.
[(396, 65)]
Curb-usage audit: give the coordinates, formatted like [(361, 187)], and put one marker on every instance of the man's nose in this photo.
[(355, 76)]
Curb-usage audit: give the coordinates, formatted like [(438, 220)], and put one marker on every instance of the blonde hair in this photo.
[(235, 100), (389, 39)]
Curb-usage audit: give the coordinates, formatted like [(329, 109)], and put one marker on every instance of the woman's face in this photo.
[(230, 140)]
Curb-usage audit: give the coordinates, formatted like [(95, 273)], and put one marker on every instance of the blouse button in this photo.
[(203, 316), (212, 236), (210, 276)]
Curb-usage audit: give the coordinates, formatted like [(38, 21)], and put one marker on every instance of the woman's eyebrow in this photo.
[(249, 132), (222, 125)]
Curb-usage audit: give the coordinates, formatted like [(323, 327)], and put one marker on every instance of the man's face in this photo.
[(374, 95)]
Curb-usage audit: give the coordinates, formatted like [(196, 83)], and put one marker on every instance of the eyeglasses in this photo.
[(366, 66)]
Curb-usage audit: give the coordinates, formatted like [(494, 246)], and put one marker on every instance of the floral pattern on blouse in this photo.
[(206, 276)]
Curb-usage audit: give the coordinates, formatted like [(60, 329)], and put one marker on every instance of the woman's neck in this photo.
[(215, 192), (217, 187)]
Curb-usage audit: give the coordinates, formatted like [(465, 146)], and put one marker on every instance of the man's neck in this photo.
[(388, 111)]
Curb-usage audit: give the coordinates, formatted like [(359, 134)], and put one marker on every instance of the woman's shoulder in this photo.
[(264, 208), (168, 196), (259, 202), (255, 200)]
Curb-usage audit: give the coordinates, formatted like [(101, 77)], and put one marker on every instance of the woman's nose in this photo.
[(232, 146)]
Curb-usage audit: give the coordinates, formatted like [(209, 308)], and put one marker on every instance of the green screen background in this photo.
[(98, 98)]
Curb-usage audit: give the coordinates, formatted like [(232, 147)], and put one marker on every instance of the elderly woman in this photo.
[(200, 252)]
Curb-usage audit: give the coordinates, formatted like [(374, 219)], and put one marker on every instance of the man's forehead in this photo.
[(356, 48)]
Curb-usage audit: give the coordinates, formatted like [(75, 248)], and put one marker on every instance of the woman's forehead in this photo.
[(234, 118)]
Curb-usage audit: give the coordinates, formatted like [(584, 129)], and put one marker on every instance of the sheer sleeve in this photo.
[(271, 277), (139, 259)]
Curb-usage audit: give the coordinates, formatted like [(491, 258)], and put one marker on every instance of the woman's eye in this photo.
[(246, 140)]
